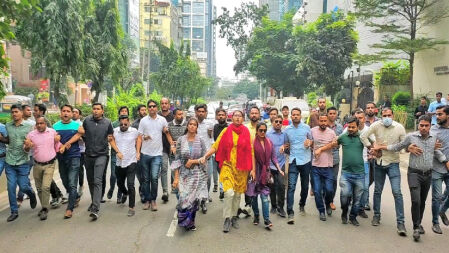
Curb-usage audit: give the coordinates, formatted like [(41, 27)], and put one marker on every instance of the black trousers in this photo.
[(277, 190), (54, 190), (419, 185), (128, 174), (81, 170)]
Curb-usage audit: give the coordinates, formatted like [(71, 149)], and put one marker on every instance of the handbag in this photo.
[(251, 188)]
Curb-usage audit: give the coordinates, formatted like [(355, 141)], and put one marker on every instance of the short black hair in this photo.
[(25, 106), (176, 110), (67, 105), (97, 103), (322, 114), (372, 103), (16, 106), (284, 107), (152, 101), (424, 97), (200, 106), (123, 107), (387, 109), (41, 107), (353, 119), (279, 117), (445, 108), (439, 93), (332, 108), (220, 110), (80, 112), (140, 106), (357, 111), (254, 107), (123, 117), (425, 117), (273, 109), (296, 109), (261, 124)]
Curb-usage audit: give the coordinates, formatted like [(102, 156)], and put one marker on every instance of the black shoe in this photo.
[(281, 212), (12, 217), (235, 223), (109, 195), (323, 216), (94, 216), (344, 218), (43, 214), (221, 197), (353, 221), (268, 224), (291, 219), (165, 197), (329, 210), (256, 220), (89, 209), (227, 225), (444, 219), (416, 235), (273, 210), (376, 220), (33, 201), (367, 208), (436, 229), (203, 207), (363, 214), (122, 199), (215, 188), (401, 230), (421, 230), (103, 201)]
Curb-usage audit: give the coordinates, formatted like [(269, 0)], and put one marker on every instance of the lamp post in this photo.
[(351, 74)]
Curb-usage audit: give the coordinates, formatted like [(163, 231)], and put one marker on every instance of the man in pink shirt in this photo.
[(322, 164), (44, 142)]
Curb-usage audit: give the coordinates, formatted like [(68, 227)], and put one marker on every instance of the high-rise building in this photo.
[(129, 19), (273, 8), (199, 32)]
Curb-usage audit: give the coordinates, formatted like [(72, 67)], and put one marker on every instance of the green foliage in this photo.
[(123, 98), (312, 98), (247, 87), (401, 98), (53, 117), (223, 93), (393, 73)]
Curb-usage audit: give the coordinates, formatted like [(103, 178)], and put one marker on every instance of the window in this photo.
[(147, 9), (197, 45), (198, 20), (161, 11), (147, 32), (186, 33), (186, 8), (157, 22), (198, 8), (158, 33), (186, 20), (197, 33), (147, 21)]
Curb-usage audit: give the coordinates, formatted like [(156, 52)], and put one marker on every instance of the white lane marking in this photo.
[(173, 225)]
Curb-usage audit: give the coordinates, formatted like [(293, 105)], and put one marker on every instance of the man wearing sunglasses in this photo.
[(277, 191)]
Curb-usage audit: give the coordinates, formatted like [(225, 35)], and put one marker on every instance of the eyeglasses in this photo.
[(152, 106), (123, 125), (278, 121), (262, 130)]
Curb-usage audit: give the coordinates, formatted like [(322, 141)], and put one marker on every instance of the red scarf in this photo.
[(244, 156)]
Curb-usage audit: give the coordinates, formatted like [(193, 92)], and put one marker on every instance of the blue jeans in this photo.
[(69, 172), (437, 194), (265, 206), (323, 179), (351, 185), (18, 175), (445, 204), (150, 175), (364, 200), (2, 165), (380, 173), (293, 172)]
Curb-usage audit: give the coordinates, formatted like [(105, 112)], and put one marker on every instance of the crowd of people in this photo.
[(258, 160)]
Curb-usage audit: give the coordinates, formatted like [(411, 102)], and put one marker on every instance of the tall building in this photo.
[(159, 20), (273, 8), (129, 19), (199, 33)]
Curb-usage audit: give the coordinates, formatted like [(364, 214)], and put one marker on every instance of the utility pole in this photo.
[(149, 45), (324, 6)]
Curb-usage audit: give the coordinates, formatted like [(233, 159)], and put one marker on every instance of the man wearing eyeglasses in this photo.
[(277, 191)]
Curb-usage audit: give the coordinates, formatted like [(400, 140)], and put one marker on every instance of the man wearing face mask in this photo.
[(388, 132)]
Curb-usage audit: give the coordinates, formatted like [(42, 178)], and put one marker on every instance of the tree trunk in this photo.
[(411, 67), (57, 90)]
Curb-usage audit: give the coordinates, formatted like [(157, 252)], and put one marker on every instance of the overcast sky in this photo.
[(225, 54)]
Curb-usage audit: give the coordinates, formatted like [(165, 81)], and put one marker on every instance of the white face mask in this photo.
[(387, 121)]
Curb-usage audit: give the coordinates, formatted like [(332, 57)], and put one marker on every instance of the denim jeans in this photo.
[(265, 206), (164, 172), (437, 193), (351, 185), (323, 181), (150, 175), (69, 172), (380, 173), (18, 175), (2, 165), (293, 172), (365, 195), (445, 202), (336, 169)]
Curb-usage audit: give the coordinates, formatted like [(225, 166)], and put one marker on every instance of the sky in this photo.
[(225, 54)]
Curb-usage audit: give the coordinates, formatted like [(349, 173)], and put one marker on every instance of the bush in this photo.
[(393, 73), (401, 98)]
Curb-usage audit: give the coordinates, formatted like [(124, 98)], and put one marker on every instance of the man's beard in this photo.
[(254, 119), (323, 127), (442, 122), (370, 114), (222, 121)]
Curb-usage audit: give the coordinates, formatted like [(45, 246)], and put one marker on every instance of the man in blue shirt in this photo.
[(299, 142), (277, 190), (433, 107)]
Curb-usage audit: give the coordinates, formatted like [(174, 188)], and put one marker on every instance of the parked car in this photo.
[(232, 109)]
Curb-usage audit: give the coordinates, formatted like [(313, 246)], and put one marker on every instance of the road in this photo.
[(147, 231)]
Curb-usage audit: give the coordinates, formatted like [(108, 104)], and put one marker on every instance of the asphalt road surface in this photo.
[(151, 231)]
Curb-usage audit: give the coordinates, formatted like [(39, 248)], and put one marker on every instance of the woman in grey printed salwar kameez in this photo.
[(190, 175)]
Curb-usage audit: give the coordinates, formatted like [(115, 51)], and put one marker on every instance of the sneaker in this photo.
[(209, 200), (273, 210), (268, 224), (291, 219), (421, 230), (363, 214), (281, 212), (146, 206), (401, 230), (344, 218), (444, 219), (123, 199), (302, 211), (102, 201), (329, 210), (12, 217), (153, 206), (367, 207), (203, 207), (376, 220), (192, 228), (353, 221), (65, 199), (235, 223), (221, 197), (33, 201), (54, 203), (436, 229), (323, 216), (94, 216), (332, 206), (416, 235), (109, 195), (165, 197), (89, 209), (227, 225), (68, 214), (131, 212), (43, 214), (40, 212), (215, 188), (256, 220)]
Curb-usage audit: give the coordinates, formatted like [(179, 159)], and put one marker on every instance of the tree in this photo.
[(324, 50), (103, 45), (400, 22), (55, 39), (247, 87), (238, 28)]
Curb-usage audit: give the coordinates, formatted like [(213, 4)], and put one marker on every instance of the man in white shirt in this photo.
[(149, 143), (125, 139)]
